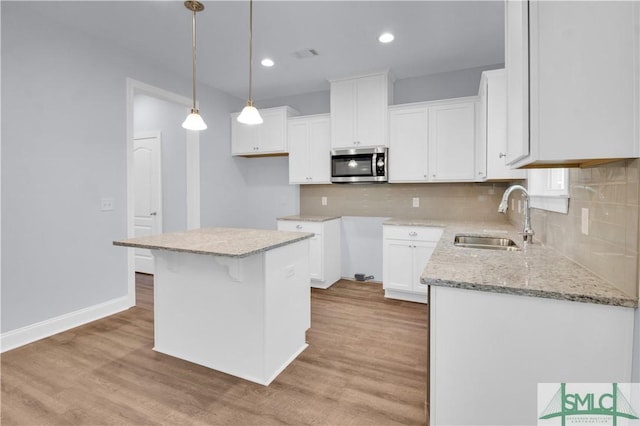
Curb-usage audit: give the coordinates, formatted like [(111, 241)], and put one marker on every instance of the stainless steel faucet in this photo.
[(527, 233)]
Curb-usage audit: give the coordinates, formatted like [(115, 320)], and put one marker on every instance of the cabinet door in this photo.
[(517, 66), (298, 134), (343, 114), (398, 265), (422, 251), (584, 79), (371, 110), (408, 142), (494, 126), (452, 141), (316, 261), (319, 148), (244, 138), (273, 132)]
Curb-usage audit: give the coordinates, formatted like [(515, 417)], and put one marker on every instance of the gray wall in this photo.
[(446, 85), (64, 147), (454, 84)]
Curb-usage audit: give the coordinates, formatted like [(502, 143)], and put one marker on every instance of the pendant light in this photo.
[(250, 114), (194, 121)]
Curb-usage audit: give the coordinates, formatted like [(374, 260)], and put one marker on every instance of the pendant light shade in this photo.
[(250, 114), (194, 121)]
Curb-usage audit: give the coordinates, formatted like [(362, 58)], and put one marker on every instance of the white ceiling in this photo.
[(431, 37)]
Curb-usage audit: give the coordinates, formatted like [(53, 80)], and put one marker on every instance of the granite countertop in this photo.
[(229, 242), (537, 270), (309, 218)]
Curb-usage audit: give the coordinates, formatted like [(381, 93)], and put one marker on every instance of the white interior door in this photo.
[(147, 160)]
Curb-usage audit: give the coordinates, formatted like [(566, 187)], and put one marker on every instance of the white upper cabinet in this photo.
[(433, 141), (452, 136), (268, 138), (359, 111), (310, 149), (408, 144), (577, 87), (492, 126)]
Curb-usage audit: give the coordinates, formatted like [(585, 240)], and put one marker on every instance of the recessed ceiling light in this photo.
[(266, 62), (386, 38)]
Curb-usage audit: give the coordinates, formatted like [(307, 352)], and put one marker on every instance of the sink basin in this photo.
[(485, 242)]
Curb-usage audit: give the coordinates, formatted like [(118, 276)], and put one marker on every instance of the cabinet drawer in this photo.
[(300, 226), (420, 233)]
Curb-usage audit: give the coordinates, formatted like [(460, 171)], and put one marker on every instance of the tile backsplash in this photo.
[(610, 250), (457, 201)]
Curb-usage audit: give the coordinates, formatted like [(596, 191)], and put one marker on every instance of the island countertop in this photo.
[(229, 242), (537, 270)]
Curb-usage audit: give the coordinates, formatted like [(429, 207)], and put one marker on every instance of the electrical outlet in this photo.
[(416, 202), (513, 204), (324, 201), (107, 204), (519, 206), (585, 221)]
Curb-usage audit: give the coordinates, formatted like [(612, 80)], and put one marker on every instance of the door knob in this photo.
[(153, 214)]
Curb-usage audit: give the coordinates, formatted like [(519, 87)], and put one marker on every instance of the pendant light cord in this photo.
[(193, 46), (251, 52)]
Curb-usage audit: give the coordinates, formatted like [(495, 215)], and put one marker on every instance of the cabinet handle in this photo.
[(502, 154), (413, 233), (298, 226)]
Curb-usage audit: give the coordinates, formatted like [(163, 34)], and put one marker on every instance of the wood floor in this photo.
[(365, 365)]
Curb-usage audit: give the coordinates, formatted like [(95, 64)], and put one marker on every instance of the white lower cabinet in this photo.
[(324, 249), (406, 251), (489, 351)]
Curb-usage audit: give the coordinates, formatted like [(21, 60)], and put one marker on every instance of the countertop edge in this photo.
[(305, 236), (541, 294), (309, 218)]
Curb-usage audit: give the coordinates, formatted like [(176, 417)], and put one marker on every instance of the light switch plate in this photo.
[(585, 221), (324, 201), (416, 201)]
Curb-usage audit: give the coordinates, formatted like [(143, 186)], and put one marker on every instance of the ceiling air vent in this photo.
[(305, 53)]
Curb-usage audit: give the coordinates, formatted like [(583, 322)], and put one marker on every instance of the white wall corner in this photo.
[(25, 335)]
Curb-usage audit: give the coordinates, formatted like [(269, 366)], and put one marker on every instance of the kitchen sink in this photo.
[(485, 242)]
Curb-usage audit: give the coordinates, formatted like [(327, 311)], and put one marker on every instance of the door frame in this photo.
[(192, 196)]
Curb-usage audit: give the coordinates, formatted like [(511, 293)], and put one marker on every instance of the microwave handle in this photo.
[(374, 161)]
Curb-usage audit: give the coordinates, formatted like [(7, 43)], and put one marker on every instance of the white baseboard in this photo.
[(22, 336)]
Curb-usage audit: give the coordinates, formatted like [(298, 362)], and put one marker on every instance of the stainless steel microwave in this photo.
[(359, 165)]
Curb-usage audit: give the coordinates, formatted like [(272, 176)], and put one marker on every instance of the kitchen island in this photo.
[(500, 322), (235, 300)]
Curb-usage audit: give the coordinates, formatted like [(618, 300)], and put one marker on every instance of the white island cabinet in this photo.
[(324, 247), (405, 253), (234, 300)]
